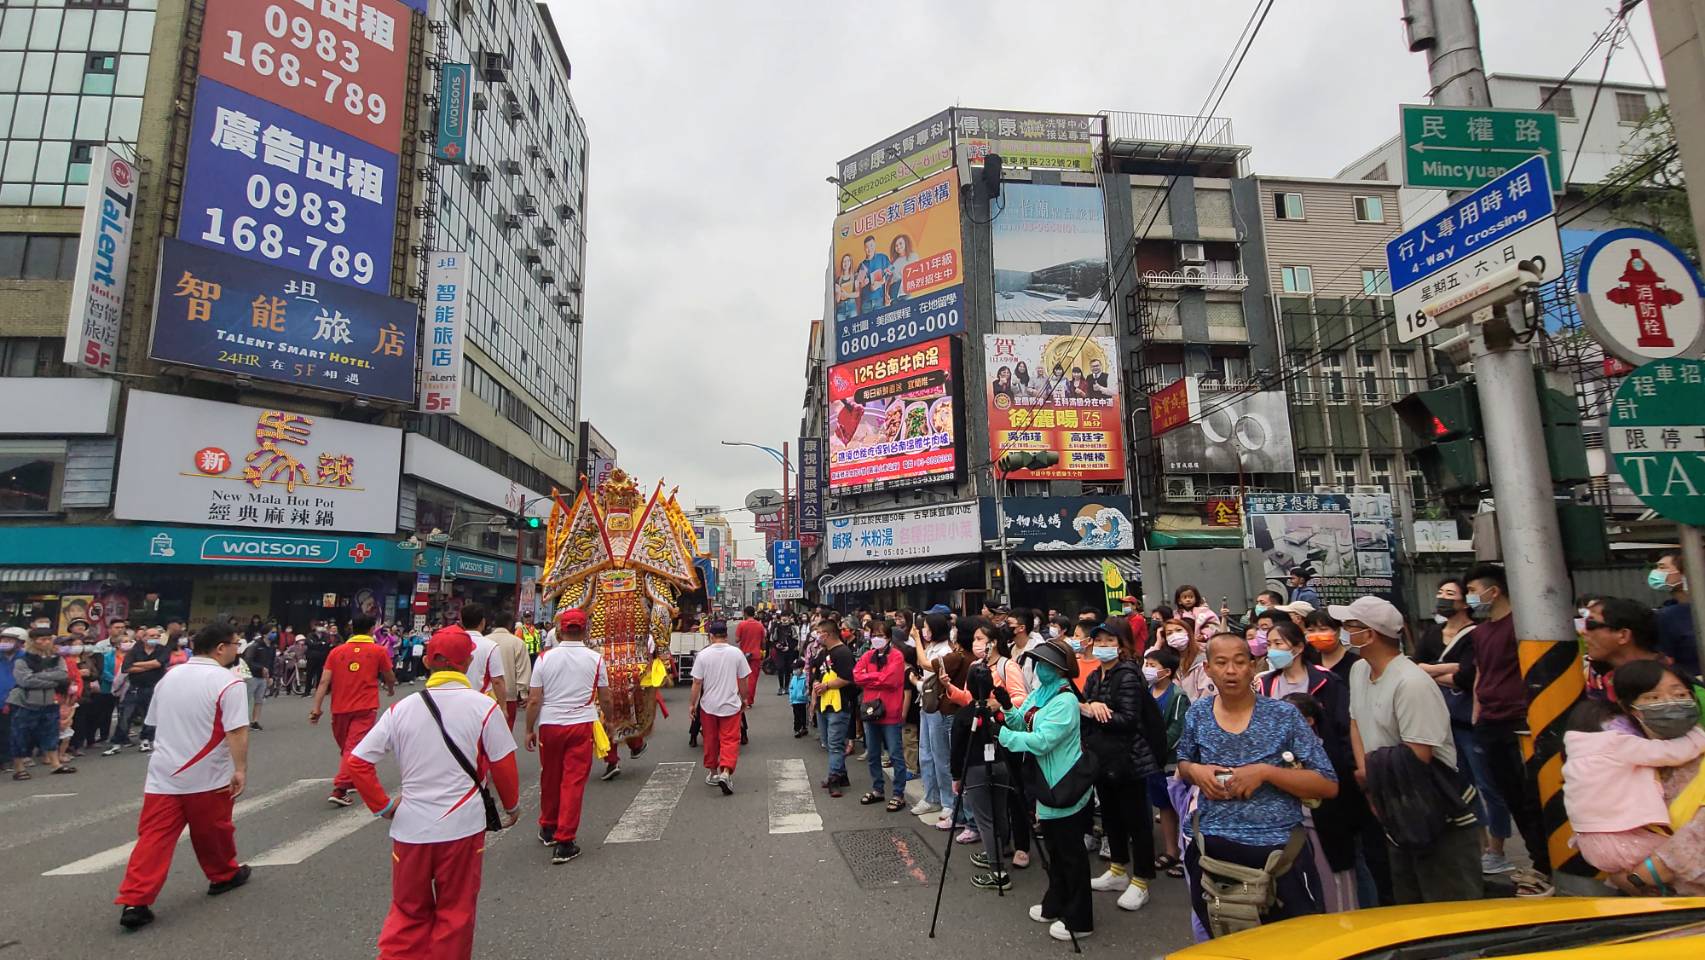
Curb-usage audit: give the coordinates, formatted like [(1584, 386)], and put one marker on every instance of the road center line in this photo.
[(648, 815), (793, 807)]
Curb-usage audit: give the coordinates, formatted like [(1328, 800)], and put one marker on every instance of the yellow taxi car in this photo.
[(1559, 928)]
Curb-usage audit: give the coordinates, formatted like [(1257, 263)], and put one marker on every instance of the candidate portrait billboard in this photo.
[(1058, 394), (918, 151), (898, 272), (894, 419), (1235, 431), (1050, 253), (220, 312)]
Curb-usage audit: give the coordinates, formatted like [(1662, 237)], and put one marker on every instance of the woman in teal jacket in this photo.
[(1046, 727)]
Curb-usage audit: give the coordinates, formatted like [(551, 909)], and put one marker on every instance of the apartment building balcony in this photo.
[(1163, 139)]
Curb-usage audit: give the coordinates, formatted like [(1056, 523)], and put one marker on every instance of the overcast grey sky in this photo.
[(712, 126)]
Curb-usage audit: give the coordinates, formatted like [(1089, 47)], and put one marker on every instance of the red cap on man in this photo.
[(572, 621), (449, 649)]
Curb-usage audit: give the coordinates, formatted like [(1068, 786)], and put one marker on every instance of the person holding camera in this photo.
[(1122, 728), (980, 778), (1058, 775)]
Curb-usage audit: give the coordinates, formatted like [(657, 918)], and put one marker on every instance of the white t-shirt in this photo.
[(437, 801), (721, 667), (487, 663), (569, 677), (1403, 706), (194, 706)]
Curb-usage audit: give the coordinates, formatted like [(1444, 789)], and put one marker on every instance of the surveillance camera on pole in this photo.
[(1501, 286)]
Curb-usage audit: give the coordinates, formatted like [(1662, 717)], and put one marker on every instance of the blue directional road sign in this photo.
[(789, 581), (1510, 219)]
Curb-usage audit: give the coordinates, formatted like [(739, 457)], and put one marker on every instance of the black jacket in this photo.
[(1123, 745), (965, 746)]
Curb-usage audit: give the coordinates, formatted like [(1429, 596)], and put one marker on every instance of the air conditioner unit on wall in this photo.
[(1181, 489), (1193, 275), (1192, 253)]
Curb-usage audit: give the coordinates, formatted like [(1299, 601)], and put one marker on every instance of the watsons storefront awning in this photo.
[(1073, 569), (884, 576)]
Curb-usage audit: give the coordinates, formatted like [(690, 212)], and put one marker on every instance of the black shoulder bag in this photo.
[(493, 822)]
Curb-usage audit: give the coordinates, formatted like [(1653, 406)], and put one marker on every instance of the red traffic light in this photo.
[(1439, 428)]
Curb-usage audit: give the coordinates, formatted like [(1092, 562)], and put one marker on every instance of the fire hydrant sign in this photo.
[(1640, 297), (1657, 437)]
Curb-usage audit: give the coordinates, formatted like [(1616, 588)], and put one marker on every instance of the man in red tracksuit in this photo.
[(352, 674), (568, 686), (199, 766), (437, 818), (750, 636)]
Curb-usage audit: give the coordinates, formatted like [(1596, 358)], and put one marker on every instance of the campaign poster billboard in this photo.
[(199, 461), (897, 271), (221, 312), (1348, 542), (1050, 253), (103, 263), (450, 139), (1063, 524), (893, 419), (1234, 427), (446, 323), (1035, 141), (921, 150), (1060, 394), (271, 186), (340, 63)]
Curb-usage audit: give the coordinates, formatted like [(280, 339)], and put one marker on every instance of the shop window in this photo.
[(30, 476)]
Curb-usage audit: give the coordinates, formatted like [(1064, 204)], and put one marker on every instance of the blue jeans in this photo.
[(34, 728), (933, 755), (877, 736), (136, 700), (1492, 810), (837, 724)]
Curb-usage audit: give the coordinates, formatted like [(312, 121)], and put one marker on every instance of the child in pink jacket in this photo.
[(1611, 758)]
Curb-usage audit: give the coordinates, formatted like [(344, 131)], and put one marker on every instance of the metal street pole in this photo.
[(1678, 25), (1000, 532)]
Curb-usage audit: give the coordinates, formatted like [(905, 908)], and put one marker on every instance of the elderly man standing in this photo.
[(38, 675), (517, 670)]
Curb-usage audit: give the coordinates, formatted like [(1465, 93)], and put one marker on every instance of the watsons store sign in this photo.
[(303, 550)]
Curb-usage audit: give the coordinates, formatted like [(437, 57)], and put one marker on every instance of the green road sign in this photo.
[(1464, 148), (1657, 437)]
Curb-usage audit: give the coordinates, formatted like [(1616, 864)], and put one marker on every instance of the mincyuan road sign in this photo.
[(1462, 148)]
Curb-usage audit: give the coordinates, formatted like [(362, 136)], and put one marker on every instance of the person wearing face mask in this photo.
[(1500, 697), (1675, 617), (1612, 754), (1122, 727), (1079, 642), (1160, 664), (38, 674), (1296, 669), (143, 667), (993, 646), (1192, 674), (11, 640), (881, 674), (1329, 639)]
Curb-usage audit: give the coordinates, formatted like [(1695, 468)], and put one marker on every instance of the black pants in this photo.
[(1020, 809), (93, 715), (784, 671), (697, 726), (314, 669), (1501, 744), (1129, 824), (798, 717), (1067, 898), (1298, 889)]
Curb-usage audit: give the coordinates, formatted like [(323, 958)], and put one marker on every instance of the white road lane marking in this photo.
[(313, 841), (11, 805), (793, 807), (18, 838), (648, 815), (119, 855)]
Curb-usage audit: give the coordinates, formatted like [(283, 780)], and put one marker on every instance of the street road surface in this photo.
[(671, 869)]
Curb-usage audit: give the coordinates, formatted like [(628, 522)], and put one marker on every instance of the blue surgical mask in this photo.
[(1343, 636), (1260, 609), (1658, 580), (1076, 645), (1107, 654), (1478, 608), (1279, 659)]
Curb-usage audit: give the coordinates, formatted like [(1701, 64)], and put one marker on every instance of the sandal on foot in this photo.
[(897, 804), (22, 775), (65, 768), (870, 798)]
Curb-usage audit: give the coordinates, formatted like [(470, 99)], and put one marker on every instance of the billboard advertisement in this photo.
[(941, 531), (811, 482), (920, 150), (1174, 405), (893, 420), (1051, 524), (220, 312), (271, 186), (1349, 542), (1035, 141), (340, 63), (455, 87), (897, 269), (1050, 252), (446, 323), (103, 263), (1060, 394), (1235, 427), (199, 461)]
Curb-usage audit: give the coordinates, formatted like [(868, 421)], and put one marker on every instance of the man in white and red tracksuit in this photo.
[(437, 817), (568, 686), (200, 715)]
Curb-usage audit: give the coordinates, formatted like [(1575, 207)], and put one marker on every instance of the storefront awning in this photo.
[(882, 576), (55, 574), (1159, 539), (1073, 569)]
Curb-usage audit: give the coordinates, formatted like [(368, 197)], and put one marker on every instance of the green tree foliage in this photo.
[(1656, 195)]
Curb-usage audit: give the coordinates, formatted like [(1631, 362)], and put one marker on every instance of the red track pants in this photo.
[(721, 740), (163, 818), (435, 892), (347, 730), (565, 761)]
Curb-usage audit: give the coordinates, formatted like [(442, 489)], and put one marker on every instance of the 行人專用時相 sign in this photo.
[(1464, 148)]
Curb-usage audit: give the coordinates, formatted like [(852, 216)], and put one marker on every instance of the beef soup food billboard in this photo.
[(1058, 394), (897, 270), (893, 420), (198, 461)]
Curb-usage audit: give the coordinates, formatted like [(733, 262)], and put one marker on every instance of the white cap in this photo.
[(15, 633), (1378, 614), (1296, 606)]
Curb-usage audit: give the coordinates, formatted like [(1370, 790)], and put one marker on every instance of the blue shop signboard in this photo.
[(220, 312)]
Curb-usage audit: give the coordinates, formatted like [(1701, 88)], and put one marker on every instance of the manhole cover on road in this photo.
[(884, 858)]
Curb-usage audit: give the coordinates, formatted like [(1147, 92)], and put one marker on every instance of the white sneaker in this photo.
[(1106, 849), (1110, 881), (1036, 915), (113, 750), (1134, 897), (710, 779), (1059, 932), (1495, 863), (924, 808), (147, 746)]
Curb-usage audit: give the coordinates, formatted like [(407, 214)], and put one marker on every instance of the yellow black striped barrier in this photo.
[(1555, 683)]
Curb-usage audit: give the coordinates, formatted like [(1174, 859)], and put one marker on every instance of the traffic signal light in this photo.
[(527, 523), (1019, 460), (1449, 442)]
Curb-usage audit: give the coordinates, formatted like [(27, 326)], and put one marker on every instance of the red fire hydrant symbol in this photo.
[(1643, 290)]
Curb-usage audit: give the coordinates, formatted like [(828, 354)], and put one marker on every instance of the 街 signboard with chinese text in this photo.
[(199, 461), (1057, 394), (220, 312), (1053, 524), (271, 186), (897, 273), (892, 419)]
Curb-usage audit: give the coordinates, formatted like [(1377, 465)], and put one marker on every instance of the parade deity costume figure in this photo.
[(624, 560)]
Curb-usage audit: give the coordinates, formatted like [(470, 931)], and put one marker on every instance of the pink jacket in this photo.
[(886, 684), (1610, 781)]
